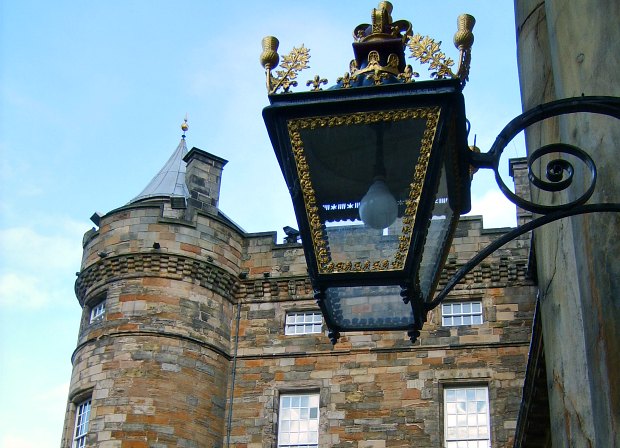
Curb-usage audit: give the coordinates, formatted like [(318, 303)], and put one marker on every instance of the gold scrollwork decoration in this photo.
[(428, 51)]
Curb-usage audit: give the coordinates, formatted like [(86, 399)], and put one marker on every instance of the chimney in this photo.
[(519, 173), (203, 178)]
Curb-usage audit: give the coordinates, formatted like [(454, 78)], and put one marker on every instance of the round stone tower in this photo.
[(157, 284)]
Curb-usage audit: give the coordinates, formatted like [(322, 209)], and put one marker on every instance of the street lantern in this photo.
[(378, 170)]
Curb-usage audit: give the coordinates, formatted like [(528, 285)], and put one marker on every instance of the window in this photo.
[(97, 312), (466, 411), (461, 313), (82, 416), (306, 322), (298, 421)]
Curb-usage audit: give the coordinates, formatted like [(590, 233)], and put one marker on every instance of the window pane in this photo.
[(307, 322), (451, 408), (82, 417), (472, 420), (450, 395), (468, 426), (97, 312), (299, 425), (462, 313)]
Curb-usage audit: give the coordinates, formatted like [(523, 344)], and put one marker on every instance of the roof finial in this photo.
[(184, 126)]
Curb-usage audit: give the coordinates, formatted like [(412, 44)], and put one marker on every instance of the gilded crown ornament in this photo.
[(379, 49)]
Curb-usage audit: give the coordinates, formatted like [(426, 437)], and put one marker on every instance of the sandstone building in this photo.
[(195, 333)]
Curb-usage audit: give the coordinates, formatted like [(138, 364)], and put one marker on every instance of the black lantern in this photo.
[(378, 170)]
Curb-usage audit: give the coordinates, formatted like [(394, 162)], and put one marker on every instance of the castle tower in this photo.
[(156, 285)]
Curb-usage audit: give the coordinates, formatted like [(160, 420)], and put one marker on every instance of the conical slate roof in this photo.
[(170, 181)]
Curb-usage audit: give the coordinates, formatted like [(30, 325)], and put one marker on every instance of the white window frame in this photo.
[(456, 314), (303, 322), (82, 420), (97, 312), (466, 417), (298, 420)]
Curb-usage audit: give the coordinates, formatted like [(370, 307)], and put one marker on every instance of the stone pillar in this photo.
[(203, 178), (566, 49)]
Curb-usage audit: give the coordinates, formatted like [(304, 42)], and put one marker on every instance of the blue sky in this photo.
[(92, 95)]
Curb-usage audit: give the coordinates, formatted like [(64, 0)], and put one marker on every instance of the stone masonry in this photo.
[(195, 311)]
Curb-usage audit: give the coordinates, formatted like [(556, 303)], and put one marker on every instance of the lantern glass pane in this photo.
[(368, 307), (368, 165), (438, 236)]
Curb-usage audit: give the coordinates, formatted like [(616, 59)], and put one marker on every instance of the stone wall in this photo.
[(376, 389), (156, 366), (195, 312)]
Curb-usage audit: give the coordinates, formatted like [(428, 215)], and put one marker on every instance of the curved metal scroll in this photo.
[(506, 238), (559, 172)]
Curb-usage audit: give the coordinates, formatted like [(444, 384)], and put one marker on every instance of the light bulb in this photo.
[(378, 208)]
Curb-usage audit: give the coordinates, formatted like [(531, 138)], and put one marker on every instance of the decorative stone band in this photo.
[(182, 268), (176, 267), (273, 289), (498, 273)]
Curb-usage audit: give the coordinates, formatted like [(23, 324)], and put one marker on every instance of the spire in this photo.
[(170, 181)]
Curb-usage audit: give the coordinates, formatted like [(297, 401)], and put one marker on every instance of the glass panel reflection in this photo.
[(438, 232), (361, 307)]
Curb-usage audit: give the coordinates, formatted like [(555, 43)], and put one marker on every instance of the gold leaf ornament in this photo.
[(289, 68), (428, 51)]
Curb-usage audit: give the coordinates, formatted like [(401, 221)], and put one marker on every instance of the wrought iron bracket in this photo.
[(516, 232), (559, 176)]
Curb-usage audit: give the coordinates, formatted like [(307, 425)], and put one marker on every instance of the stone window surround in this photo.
[(89, 305), (75, 400), (460, 383), (97, 311)]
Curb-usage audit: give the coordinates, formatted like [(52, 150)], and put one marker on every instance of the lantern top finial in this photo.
[(379, 49), (382, 26)]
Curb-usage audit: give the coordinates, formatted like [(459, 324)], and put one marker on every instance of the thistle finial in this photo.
[(184, 127)]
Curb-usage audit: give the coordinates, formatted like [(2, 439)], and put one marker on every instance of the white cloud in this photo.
[(36, 268), (22, 290), (497, 211), (50, 409)]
